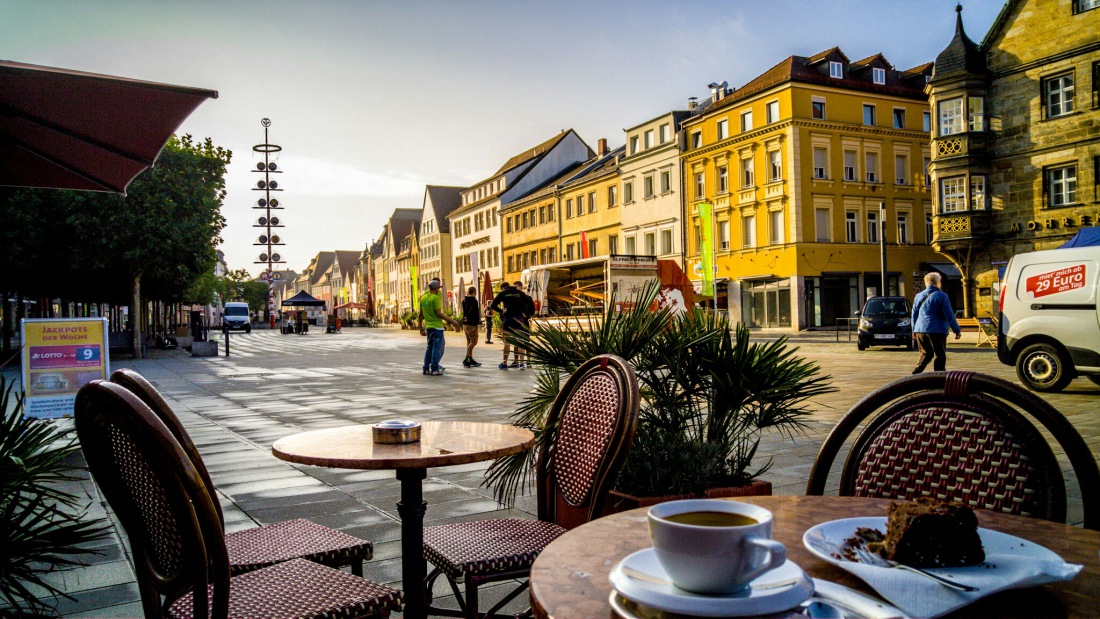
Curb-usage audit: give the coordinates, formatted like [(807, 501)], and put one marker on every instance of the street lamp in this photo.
[(270, 239), (884, 290)]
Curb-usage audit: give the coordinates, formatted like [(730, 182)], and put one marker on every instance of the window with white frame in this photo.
[(872, 226), (650, 244), (647, 186), (951, 116), (666, 241), (592, 202), (724, 235), (849, 165), (772, 112), (633, 144), (748, 231), (666, 132), (775, 165), (878, 76), (899, 118), (569, 251), (817, 108), (723, 179), (593, 247), (746, 121), (629, 245), (851, 227), (821, 223), (666, 181), (697, 139), (836, 69), (903, 228), (1061, 185), (975, 107), (612, 244), (953, 194), (1085, 5), (901, 169), (747, 174), (775, 227), (628, 192), (649, 139), (927, 161), (612, 196), (700, 185), (977, 193), (1058, 95), (871, 163), (568, 211), (869, 116), (926, 121), (821, 162), (723, 129)]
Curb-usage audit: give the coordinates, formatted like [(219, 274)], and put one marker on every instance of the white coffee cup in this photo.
[(717, 558)]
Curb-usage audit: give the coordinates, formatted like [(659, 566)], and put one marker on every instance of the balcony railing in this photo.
[(962, 226)]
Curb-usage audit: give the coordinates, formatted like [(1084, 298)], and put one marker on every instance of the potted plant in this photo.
[(42, 527), (707, 395)]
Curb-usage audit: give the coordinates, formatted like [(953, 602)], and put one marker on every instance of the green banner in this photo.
[(415, 289), (706, 248)]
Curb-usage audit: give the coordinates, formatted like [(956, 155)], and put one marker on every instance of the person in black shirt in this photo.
[(509, 302), (471, 320), (525, 322)]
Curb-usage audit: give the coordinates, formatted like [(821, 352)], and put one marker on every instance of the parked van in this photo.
[(236, 316), (1049, 324)]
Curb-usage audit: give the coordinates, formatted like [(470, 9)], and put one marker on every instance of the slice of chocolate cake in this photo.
[(931, 533)]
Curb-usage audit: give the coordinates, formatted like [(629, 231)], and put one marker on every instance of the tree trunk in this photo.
[(135, 316)]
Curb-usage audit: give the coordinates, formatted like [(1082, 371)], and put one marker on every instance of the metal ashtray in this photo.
[(396, 431)]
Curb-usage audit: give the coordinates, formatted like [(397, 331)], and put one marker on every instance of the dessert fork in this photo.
[(872, 558)]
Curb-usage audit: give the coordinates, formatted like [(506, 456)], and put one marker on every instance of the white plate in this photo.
[(640, 578), (1011, 562)]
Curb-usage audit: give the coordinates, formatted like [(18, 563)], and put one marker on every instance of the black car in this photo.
[(885, 321)]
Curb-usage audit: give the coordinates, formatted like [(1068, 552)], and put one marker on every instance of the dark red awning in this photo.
[(64, 129)]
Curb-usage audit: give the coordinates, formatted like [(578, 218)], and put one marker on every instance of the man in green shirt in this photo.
[(431, 321)]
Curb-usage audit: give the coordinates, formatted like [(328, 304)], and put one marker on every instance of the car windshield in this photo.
[(886, 307), (236, 311)]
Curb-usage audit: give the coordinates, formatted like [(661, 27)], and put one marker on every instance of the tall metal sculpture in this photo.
[(269, 240)]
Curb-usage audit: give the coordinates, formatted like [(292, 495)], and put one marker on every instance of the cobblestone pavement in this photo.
[(274, 385)]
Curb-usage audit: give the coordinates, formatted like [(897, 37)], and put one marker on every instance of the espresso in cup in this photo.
[(712, 546)]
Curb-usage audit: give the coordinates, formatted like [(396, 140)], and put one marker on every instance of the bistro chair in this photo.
[(594, 417), (960, 436), (175, 535), (251, 549)]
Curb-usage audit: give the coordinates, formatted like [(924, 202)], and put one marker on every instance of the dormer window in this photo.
[(836, 69), (878, 76)]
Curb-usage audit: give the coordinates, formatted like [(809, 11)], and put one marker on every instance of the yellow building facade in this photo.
[(590, 210), (530, 233), (797, 165)]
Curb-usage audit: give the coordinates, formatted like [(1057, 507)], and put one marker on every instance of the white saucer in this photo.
[(640, 578)]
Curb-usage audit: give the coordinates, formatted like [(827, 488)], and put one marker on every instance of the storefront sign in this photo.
[(622, 261), (1035, 225), (477, 241), (61, 355)]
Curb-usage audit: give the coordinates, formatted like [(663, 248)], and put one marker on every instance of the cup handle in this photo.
[(777, 555)]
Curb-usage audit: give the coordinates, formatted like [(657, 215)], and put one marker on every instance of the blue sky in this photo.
[(371, 100)]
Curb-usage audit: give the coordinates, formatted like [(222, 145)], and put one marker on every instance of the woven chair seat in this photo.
[(252, 549), (487, 546), (300, 589)]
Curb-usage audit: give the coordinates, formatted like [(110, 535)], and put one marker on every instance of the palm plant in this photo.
[(708, 394), (42, 527)]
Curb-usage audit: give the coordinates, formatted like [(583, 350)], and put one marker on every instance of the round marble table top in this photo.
[(442, 443), (570, 576)]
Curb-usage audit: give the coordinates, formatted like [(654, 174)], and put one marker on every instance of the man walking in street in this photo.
[(430, 321), (471, 320), (509, 302), (525, 323), (932, 319)]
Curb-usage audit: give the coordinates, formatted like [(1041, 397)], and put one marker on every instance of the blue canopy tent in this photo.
[(1087, 237)]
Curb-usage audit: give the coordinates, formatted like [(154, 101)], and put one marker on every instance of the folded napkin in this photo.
[(919, 596)]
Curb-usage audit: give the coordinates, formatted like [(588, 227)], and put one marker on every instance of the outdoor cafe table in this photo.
[(442, 443), (569, 578)]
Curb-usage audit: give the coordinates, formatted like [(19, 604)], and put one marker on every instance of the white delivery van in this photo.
[(236, 316), (1049, 323)]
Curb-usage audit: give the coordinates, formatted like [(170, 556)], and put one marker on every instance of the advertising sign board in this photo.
[(61, 355)]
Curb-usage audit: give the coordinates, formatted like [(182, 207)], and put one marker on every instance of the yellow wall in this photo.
[(601, 225), (536, 240)]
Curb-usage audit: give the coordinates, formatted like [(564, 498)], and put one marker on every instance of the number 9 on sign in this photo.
[(87, 353)]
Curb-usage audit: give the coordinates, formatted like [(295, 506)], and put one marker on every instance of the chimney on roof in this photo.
[(601, 147), (693, 102), (718, 91)]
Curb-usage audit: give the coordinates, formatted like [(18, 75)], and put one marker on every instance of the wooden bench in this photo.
[(985, 328)]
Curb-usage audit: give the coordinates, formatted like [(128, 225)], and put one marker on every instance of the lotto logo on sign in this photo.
[(1062, 280)]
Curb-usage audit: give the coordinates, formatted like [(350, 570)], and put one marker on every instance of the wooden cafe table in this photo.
[(442, 443), (569, 578)]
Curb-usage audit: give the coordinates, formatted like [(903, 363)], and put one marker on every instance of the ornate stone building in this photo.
[(1016, 139)]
